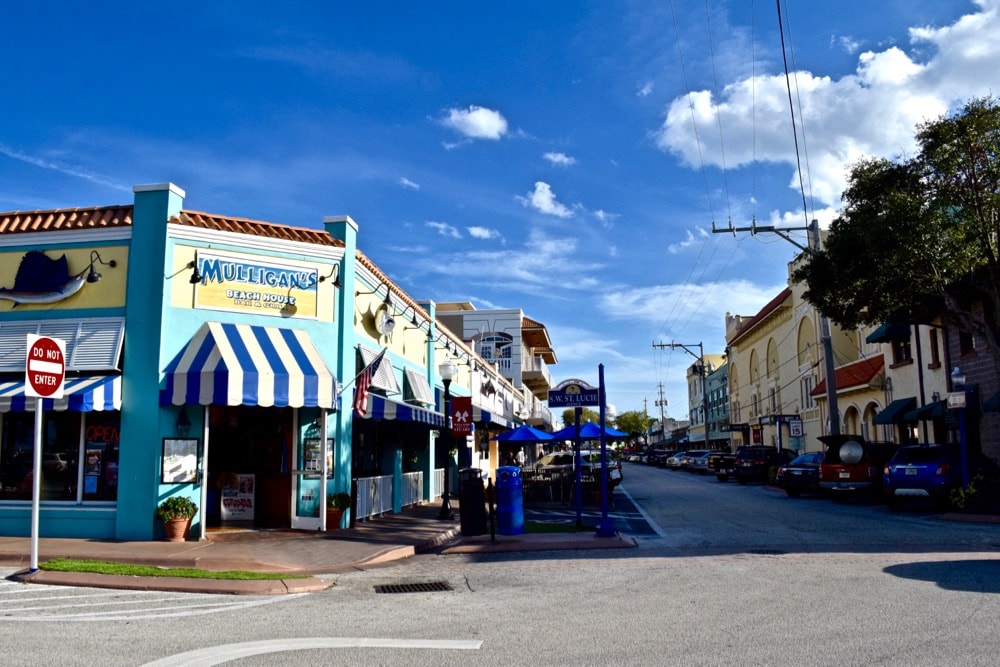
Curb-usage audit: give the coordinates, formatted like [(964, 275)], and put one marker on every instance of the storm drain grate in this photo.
[(426, 587)]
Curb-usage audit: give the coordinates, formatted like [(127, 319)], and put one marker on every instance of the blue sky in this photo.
[(564, 157)]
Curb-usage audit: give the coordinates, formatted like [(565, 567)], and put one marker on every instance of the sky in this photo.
[(578, 159)]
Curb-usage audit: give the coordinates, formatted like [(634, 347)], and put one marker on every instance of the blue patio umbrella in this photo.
[(523, 434), (588, 431)]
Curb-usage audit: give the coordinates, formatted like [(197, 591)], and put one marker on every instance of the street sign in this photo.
[(573, 394), (44, 367)]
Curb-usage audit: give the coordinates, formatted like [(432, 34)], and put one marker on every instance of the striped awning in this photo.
[(80, 394), (480, 416), (380, 407), (243, 364)]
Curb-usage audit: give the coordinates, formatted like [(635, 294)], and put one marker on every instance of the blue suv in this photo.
[(922, 471)]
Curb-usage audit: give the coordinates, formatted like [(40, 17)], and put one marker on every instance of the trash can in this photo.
[(472, 501), (510, 504)]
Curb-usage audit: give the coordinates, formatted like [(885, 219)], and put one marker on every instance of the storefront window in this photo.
[(70, 471)]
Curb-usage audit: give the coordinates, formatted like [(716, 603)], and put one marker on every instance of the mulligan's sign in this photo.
[(249, 283)]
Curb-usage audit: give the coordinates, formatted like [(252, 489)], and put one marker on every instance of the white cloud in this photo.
[(690, 240), (407, 183), (606, 219), (542, 199), (646, 89), (871, 112), (476, 122), (846, 43), (484, 233), (560, 159), (444, 229)]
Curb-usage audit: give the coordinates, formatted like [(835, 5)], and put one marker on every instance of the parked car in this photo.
[(753, 462), (800, 475), (664, 456), (852, 465), (688, 460), (922, 471), (722, 465), (699, 464), (674, 462)]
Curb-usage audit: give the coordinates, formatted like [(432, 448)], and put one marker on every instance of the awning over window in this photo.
[(416, 388), (92, 345), (931, 411), (380, 407), (895, 412), (80, 394), (242, 364), (888, 332), (385, 376), (480, 416)]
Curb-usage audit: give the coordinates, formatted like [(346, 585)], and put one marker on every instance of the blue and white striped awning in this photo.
[(80, 394), (243, 364), (480, 416), (382, 408)]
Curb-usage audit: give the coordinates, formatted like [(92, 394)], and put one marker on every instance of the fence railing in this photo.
[(373, 495)]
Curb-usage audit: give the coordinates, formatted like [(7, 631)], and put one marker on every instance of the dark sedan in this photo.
[(800, 475)]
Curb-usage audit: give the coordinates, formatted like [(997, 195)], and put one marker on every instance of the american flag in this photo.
[(363, 382)]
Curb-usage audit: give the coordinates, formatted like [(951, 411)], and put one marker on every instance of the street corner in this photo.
[(538, 542)]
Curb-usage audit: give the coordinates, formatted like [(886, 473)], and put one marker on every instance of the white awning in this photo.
[(385, 376), (416, 388), (91, 344)]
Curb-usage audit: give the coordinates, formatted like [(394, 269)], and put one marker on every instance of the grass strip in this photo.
[(132, 570), (536, 527)]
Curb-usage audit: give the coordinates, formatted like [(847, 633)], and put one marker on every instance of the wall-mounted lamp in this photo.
[(95, 258), (334, 275), (183, 424), (195, 273), (957, 378)]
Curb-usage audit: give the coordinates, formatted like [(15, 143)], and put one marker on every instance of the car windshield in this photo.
[(918, 454), (806, 459)]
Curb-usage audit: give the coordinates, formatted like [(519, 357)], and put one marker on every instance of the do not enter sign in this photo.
[(45, 367)]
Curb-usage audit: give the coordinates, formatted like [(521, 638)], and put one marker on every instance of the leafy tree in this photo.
[(586, 415), (918, 238), (634, 423)]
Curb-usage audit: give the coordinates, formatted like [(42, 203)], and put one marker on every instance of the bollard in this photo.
[(491, 498)]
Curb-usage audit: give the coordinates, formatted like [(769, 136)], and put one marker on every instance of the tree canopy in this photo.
[(586, 415), (918, 238), (634, 423)]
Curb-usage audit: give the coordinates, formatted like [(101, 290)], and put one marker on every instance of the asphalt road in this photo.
[(736, 575)]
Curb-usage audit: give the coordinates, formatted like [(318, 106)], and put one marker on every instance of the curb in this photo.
[(173, 584)]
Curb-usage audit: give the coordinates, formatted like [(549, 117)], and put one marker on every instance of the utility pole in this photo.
[(824, 322), (702, 372)]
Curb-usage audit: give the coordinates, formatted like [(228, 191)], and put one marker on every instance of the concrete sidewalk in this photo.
[(384, 539)]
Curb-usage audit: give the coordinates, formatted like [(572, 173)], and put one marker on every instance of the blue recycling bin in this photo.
[(510, 501)]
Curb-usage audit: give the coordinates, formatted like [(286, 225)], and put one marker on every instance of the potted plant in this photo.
[(336, 503), (176, 513)]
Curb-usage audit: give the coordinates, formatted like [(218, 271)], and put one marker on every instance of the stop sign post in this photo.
[(45, 367), (44, 374)]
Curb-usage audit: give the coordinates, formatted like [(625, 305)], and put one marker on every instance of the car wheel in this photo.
[(793, 493), (894, 503), (722, 478)]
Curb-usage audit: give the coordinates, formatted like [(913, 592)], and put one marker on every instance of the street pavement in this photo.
[(381, 540)]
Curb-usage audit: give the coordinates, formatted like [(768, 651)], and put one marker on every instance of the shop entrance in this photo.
[(249, 483)]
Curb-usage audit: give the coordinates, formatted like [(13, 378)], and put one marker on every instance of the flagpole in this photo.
[(355, 378)]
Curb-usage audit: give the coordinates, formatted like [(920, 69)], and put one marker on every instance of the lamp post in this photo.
[(958, 389), (447, 371)]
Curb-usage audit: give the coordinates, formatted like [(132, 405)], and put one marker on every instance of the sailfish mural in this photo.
[(42, 279)]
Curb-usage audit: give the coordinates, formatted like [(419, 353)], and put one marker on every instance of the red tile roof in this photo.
[(768, 308), (254, 227), (66, 219), (857, 374)]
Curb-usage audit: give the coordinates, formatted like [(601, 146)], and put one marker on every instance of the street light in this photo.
[(447, 370)]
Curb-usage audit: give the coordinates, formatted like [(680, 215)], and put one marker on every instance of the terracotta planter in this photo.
[(333, 517), (176, 530)]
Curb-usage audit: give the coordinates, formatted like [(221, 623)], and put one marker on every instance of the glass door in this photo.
[(311, 468)]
